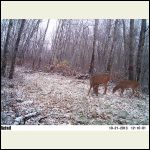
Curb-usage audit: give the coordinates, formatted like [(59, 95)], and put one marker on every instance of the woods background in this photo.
[(119, 46)]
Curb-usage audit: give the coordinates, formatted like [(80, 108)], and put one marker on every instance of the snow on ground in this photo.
[(52, 99)]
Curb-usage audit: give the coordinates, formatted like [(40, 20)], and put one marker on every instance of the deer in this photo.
[(126, 84), (97, 79)]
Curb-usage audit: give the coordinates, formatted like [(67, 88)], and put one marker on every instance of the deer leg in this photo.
[(135, 91), (105, 89), (90, 89), (138, 94), (121, 93), (95, 88)]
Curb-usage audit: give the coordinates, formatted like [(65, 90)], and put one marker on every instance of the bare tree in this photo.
[(4, 59), (16, 49), (131, 50), (34, 27), (107, 41), (125, 47), (140, 48), (41, 46), (109, 64), (109, 45), (91, 68), (57, 41)]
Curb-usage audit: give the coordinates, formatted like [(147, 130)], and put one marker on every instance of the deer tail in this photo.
[(89, 89)]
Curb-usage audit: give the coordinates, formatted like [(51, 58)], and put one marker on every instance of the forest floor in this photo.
[(35, 98)]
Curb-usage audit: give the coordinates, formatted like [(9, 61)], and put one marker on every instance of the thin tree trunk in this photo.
[(91, 69), (109, 64), (125, 48), (16, 49), (140, 48), (131, 50), (106, 46), (26, 45), (54, 43), (39, 61), (4, 59)]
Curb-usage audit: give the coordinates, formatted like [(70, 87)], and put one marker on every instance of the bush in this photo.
[(62, 68)]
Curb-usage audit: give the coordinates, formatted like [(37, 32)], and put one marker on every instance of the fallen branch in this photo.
[(23, 119), (40, 120)]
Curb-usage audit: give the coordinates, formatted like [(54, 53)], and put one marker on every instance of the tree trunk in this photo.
[(39, 60), (16, 49), (91, 69), (27, 42), (109, 64), (125, 48), (54, 43), (131, 50), (107, 42), (4, 59), (140, 48)]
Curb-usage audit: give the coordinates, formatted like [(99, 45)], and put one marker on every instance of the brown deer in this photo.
[(98, 79), (126, 84)]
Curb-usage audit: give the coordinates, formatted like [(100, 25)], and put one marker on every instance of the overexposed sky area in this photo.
[(51, 28)]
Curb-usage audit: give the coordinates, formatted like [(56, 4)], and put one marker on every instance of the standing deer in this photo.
[(126, 84), (98, 79)]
